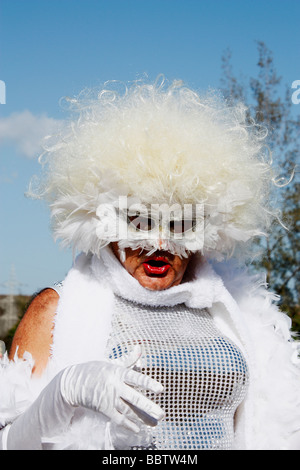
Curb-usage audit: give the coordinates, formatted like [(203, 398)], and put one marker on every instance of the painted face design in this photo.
[(174, 229)]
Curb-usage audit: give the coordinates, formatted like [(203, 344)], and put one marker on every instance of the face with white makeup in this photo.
[(153, 265), (159, 271)]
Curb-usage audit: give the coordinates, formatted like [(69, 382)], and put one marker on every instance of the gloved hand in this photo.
[(100, 386), (114, 395)]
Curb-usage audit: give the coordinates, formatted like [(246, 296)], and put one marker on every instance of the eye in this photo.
[(181, 226), (140, 223)]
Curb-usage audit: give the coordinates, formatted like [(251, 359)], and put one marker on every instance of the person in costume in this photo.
[(158, 338)]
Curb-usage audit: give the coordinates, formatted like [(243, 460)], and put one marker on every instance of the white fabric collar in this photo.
[(200, 292)]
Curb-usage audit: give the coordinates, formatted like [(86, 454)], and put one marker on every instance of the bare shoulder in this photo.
[(34, 333)]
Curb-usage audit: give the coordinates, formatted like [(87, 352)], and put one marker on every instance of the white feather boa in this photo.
[(269, 417)]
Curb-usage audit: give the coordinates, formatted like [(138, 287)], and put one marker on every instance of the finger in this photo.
[(130, 359), (125, 409), (134, 414), (144, 381), (138, 400), (124, 439), (122, 420), (143, 417)]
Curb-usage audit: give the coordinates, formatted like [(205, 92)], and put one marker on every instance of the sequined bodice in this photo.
[(204, 374)]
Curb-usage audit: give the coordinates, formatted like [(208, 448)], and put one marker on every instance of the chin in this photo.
[(156, 282)]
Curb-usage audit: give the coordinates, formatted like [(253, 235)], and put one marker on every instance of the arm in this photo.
[(34, 333), (103, 387)]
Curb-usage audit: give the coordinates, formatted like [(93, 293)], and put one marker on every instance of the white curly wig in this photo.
[(158, 143)]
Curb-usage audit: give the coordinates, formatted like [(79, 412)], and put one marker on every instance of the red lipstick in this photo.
[(156, 266)]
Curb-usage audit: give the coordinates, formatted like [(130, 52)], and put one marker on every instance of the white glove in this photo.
[(100, 386), (123, 439), (113, 394)]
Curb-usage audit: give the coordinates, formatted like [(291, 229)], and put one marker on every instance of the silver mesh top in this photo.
[(203, 373)]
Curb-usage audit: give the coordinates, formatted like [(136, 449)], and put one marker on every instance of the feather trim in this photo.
[(18, 387)]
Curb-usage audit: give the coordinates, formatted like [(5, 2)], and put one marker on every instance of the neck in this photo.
[(199, 283)]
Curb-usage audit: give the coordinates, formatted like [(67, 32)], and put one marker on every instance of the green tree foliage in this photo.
[(270, 104)]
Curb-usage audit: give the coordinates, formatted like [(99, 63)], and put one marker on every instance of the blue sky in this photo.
[(53, 48)]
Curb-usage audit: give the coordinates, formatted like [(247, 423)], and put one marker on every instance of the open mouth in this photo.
[(156, 266)]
